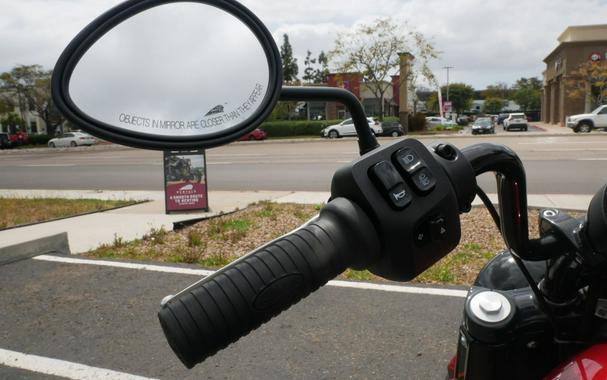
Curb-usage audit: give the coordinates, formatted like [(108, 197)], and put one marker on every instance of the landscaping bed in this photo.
[(215, 242), (23, 211)]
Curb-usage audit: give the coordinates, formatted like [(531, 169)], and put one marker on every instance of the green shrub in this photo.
[(391, 119), (285, 128), (38, 139), (417, 122)]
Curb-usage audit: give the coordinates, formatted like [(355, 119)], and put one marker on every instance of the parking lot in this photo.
[(499, 130), (99, 322)]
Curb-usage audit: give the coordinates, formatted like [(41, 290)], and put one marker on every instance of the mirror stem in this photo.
[(366, 139)]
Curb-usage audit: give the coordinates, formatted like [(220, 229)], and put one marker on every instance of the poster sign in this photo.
[(185, 181), (447, 107)]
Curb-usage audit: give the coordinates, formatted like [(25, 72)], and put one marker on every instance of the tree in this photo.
[(460, 96), (373, 50), (499, 90), (12, 122), (528, 93), (432, 102), (289, 63), (589, 79), (309, 70), (29, 88), (494, 105), (321, 73)]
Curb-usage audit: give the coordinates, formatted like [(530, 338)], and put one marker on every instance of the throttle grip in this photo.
[(227, 305)]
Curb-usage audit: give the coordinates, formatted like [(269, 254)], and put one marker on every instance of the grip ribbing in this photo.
[(237, 299)]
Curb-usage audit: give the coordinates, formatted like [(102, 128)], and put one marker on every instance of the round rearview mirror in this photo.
[(170, 74)]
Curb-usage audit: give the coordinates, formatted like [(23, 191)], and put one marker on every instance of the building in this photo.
[(577, 45), (33, 123), (355, 83)]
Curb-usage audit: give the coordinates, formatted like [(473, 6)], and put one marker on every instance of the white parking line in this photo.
[(203, 272), (61, 368), (46, 165)]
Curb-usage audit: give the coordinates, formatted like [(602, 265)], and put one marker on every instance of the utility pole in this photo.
[(448, 68)]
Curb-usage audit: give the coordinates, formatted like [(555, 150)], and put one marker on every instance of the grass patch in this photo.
[(19, 211), (358, 275), (215, 242)]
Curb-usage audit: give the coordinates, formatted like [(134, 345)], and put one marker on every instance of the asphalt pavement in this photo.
[(555, 163), (105, 318)]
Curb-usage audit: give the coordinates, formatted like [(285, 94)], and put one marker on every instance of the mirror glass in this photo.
[(180, 69)]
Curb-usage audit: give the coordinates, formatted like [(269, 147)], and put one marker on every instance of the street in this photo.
[(568, 164)]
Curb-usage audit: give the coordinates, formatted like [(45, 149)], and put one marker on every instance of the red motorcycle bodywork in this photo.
[(588, 365)]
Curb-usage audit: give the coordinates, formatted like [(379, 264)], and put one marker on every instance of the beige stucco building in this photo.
[(577, 44)]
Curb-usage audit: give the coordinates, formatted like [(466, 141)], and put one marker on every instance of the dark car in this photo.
[(256, 134), (392, 128), (483, 125), (5, 141), (501, 117)]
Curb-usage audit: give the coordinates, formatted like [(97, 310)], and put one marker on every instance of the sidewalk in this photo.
[(89, 231), (554, 129)]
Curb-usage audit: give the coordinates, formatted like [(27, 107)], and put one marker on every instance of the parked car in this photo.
[(516, 121), (434, 121), (5, 141), (483, 125), (19, 138), (501, 117), (346, 128), (586, 122), (256, 134), (72, 139), (463, 120), (392, 128)]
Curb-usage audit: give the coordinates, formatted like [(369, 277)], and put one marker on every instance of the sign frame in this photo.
[(202, 195)]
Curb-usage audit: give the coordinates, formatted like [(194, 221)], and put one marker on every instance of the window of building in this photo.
[(34, 126)]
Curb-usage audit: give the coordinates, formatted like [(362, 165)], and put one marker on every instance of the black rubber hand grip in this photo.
[(237, 299)]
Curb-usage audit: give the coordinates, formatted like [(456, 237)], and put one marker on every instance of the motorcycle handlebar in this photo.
[(512, 198), (223, 307)]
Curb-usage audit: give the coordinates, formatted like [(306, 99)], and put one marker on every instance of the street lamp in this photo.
[(448, 68)]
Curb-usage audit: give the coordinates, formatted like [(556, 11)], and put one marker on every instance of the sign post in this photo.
[(185, 181)]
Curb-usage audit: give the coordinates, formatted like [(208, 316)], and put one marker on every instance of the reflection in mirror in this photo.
[(179, 69)]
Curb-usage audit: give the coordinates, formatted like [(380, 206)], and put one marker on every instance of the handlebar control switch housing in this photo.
[(409, 197)]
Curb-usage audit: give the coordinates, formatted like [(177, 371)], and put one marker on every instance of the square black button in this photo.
[(408, 159), (421, 236), (387, 175), (400, 196), (438, 228), (423, 179)]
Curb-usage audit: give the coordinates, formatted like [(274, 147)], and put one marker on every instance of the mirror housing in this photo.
[(213, 125)]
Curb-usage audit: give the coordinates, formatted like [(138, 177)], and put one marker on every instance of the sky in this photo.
[(486, 41)]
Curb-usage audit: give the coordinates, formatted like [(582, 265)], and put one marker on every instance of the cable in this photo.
[(487, 202), (519, 262)]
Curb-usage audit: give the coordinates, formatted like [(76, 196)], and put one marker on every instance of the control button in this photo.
[(423, 180), (400, 196), (421, 236), (408, 159), (438, 228), (387, 175)]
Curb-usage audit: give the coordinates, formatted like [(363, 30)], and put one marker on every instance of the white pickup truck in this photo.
[(586, 122)]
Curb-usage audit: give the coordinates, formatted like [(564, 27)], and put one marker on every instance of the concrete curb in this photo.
[(57, 244)]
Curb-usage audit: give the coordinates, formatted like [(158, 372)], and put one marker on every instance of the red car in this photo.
[(256, 134), (19, 138)]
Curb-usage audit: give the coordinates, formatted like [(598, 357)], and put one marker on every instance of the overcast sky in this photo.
[(487, 41)]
